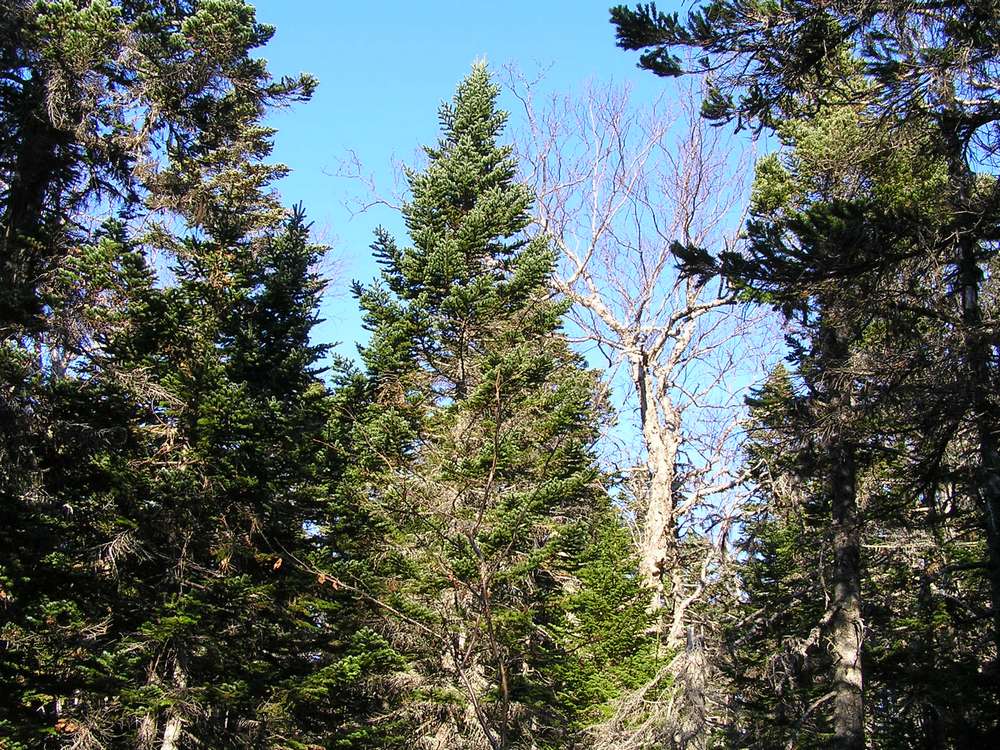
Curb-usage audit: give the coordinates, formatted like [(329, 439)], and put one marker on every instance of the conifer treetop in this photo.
[(465, 205), (469, 265)]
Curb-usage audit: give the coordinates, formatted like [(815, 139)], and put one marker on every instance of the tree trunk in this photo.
[(25, 255), (659, 554), (978, 356), (172, 733), (175, 721), (846, 624)]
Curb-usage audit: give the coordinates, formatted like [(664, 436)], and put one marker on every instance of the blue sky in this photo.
[(383, 70)]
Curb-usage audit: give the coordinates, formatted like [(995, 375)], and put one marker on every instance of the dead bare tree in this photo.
[(618, 187)]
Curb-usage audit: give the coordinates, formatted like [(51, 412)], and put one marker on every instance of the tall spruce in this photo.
[(774, 645), (241, 643), (928, 66), (170, 457), (508, 585)]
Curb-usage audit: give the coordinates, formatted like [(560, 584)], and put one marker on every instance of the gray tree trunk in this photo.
[(846, 625), (659, 554)]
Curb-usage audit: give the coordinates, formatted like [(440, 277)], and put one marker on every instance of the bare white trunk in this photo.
[(172, 733), (659, 555), (678, 606), (659, 529), (175, 721), (616, 188), (148, 731)]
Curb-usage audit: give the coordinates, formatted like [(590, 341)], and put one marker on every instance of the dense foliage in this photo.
[(875, 235), (214, 534), (478, 454)]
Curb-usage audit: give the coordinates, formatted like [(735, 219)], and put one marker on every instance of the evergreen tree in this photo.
[(171, 459), (242, 469), (831, 208), (478, 441), (776, 656), (93, 96), (927, 69)]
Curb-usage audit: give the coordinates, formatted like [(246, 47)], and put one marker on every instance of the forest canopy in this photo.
[(659, 438)]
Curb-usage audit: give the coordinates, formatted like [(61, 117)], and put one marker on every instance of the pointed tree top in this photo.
[(473, 110)]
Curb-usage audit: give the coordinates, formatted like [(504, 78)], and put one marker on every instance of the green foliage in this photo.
[(477, 454), (839, 242), (169, 456), (776, 657), (90, 92)]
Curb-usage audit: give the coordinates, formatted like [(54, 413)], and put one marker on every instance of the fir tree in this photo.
[(92, 95), (103, 104), (478, 455), (171, 465), (230, 638), (776, 655), (926, 68)]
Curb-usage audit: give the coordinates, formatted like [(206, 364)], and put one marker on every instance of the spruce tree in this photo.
[(775, 655), (833, 207), (97, 101), (171, 463), (95, 97), (478, 455), (231, 639), (927, 67)]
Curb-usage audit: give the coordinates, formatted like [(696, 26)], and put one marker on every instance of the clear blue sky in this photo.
[(383, 70)]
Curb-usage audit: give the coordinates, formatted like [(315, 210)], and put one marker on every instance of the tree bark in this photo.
[(846, 624), (659, 527), (174, 724), (987, 478), (26, 255)]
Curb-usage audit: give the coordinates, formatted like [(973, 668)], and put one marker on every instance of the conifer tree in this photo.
[(776, 656), (505, 554), (171, 464), (92, 95), (832, 207), (927, 67), (244, 468)]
